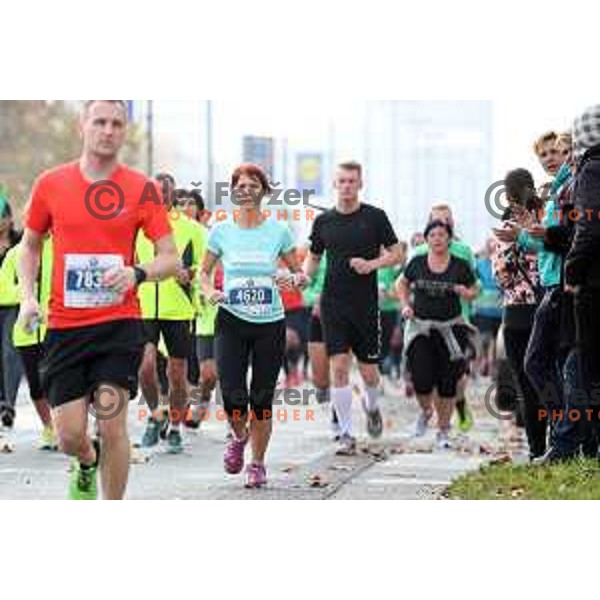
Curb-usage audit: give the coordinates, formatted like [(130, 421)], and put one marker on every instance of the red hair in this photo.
[(254, 172)]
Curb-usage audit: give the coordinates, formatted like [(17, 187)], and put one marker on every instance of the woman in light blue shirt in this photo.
[(250, 325)]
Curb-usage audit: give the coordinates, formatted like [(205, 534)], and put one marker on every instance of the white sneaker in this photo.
[(443, 440)]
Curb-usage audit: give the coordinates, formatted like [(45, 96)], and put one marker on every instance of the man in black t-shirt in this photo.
[(358, 240)]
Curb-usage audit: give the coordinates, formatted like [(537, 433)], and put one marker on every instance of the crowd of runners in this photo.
[(155, 301)]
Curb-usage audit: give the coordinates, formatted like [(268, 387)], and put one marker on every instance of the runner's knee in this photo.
[(71, 437)]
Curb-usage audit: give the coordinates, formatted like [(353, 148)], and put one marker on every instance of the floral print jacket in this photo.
[(515, 270)]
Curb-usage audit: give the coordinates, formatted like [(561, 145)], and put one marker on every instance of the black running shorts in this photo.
[(177, 335), (80, 359), (347, 328)]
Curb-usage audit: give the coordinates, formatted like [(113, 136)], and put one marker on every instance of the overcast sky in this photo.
[(306, 123)]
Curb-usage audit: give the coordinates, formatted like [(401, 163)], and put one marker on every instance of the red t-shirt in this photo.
[(292, 300), (85, 244)]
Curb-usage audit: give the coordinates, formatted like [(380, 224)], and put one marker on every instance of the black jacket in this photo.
[(583, 261)]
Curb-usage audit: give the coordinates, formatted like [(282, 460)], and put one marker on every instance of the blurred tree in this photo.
[(36, 135)]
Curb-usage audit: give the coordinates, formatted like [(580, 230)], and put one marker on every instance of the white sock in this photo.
[(341, 399), (372, 398)]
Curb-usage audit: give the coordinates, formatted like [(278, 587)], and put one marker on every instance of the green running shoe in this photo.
[(465, 419), (83, 483)]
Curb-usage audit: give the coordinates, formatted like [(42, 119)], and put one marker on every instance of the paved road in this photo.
[(301, 460)]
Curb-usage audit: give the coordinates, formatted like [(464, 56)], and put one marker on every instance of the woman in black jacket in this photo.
[(10, 364), (582, 270)]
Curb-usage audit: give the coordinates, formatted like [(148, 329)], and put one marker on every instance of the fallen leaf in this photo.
[(501, 459), (424, 449), (517, 492), (138, 458), (485, 449), (316, 481), (7, 447)]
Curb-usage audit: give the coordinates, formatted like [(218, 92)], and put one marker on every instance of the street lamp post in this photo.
[(150, 138), (210, 175)]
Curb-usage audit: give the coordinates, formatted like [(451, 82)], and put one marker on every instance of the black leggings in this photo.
[(32, 357), (515, 343), (240, 345), (430, 366)]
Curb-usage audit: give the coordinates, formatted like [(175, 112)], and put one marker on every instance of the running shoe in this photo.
[(374, 421), (256, 476), (83, 482), (422, 424), (192, 421), (234, 456), (48, 441), (164, 424), (174, 442), (152, 434), (465, 418), (551, 457), (443, 440), (346, 446), (7, 417)]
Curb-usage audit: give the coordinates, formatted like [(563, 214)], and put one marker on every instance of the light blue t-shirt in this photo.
[(250, 262)]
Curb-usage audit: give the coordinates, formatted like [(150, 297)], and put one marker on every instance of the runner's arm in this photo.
[(403, 291), (311, 264), (166, 261), (390, 257), (207, 288), (29, 263)]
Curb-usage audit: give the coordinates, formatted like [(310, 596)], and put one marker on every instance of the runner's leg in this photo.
[(114, 458), (267, 357)]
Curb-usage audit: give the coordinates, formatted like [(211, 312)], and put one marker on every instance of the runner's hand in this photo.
[(361, 266), (30, 315), (217, 297), (301, 280), (284, 281), (463, 291), (408, 313), (120, 279), (184, 276)]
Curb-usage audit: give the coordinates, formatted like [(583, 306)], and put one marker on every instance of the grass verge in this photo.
[(575, 480)]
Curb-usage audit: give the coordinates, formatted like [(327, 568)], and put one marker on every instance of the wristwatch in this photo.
[(140, 275)]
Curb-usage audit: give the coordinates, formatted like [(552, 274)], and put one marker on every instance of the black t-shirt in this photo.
[(433, 295), (361, 234)]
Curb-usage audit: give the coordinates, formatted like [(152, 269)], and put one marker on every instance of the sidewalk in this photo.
[(301, 459)]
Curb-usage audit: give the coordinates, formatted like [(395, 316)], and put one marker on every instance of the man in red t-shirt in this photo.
[(93, 209)]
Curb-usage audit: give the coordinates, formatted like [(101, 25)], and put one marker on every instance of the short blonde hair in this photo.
[(566, 139), (548, 137), (120, 103)]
